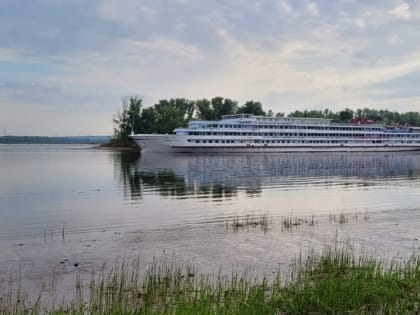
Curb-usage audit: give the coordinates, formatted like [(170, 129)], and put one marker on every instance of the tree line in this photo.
[(169, 114), (54, 140)]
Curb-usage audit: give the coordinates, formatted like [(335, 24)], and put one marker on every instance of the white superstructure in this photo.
[(248, 133)]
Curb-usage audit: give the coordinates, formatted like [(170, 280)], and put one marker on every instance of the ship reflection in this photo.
[(220, 177)]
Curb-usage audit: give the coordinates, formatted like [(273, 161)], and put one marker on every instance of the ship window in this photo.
[(204, 141)]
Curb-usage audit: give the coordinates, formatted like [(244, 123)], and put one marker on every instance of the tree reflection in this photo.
[(219, 177), (136, 179)]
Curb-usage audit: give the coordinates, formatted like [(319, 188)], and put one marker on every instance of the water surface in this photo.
[(66, 205)]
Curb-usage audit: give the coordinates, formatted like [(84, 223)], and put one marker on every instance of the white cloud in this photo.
[(312, 8), (393, 39), (288, 56), (286, 6), (131, 12), (401, 10), (360, 22), (167, 46), (9, 54)]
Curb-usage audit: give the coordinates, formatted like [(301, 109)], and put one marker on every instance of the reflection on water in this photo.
[(223, 176), (88, 206)]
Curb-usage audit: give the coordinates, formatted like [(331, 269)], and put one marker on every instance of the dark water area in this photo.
[(67, 209)]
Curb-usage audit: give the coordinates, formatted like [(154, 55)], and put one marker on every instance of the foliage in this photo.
[(345, 115), (126, 119), (169, 114), (252, 107), (215, 108), (334, 282), (385, 117)]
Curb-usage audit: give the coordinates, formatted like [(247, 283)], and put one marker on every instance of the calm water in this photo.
[(61, 205)]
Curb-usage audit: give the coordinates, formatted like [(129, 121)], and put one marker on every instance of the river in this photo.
[(66, 210)]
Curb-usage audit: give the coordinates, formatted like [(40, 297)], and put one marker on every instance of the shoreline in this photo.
[(333, 279), (105, 146)]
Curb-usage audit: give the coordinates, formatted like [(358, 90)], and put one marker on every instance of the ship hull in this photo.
[(178, 144)]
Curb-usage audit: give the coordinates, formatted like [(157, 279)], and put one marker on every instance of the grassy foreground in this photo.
[(335, 281)]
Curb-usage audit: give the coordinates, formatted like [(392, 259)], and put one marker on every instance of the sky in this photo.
[(65, 65)]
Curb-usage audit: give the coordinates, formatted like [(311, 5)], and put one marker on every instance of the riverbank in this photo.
[(335, 280), (117, 146)]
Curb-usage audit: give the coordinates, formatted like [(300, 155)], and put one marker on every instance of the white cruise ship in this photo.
[(248, 133)]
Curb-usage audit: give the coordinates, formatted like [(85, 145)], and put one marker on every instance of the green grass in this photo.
[(334, 281), (249, 220)]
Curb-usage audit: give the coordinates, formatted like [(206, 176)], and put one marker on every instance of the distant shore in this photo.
[(54, 140)]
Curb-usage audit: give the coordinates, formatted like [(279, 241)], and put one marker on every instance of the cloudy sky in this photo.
[(66, 64)]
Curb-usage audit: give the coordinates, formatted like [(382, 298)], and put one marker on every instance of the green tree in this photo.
[(251, 107), (127, 120), (215, 108), (204, 110), (410, 119), (223, 106), (172, 113), (345, 115), (148, 119)]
